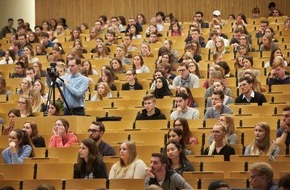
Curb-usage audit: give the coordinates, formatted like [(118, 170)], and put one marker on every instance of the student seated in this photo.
[(151, 112)]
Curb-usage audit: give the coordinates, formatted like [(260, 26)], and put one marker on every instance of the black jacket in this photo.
[(156, 116), (99, 170), (258, 98), (273, 81), (38, 141), (136, 86)]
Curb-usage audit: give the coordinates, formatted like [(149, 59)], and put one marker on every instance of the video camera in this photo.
[(52, 72)]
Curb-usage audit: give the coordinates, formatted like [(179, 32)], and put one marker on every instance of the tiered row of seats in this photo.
[(207, 169)]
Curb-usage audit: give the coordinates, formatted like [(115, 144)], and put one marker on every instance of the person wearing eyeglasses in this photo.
[(19, 70), (96, 132), (261, 176), (61, 136), (25, 106), (219, 145), (132, 84), (185, 78), (228, 121)]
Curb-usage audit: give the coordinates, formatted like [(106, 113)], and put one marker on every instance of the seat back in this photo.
[(10, 182), (128, 184), (55, 171), (85, 184), (64, 155), (32, 184), (17, 171)]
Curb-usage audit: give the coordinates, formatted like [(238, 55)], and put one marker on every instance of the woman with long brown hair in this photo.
[(89, 164), (20, 147), (31, 128)]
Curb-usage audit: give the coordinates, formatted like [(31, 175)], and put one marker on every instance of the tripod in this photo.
[(51, 92)]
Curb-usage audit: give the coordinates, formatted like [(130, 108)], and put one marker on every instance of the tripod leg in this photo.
[(61, 94), (48, 102)]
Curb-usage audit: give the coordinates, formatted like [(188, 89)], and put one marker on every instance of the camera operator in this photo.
[(74, 86)]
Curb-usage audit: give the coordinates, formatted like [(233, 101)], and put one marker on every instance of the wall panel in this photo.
[(17, 9), (78, 11)]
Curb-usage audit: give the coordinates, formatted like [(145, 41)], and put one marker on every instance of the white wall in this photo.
[(17, 9)]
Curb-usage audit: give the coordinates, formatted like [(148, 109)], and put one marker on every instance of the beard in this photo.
[(156, 170), (94, 138)]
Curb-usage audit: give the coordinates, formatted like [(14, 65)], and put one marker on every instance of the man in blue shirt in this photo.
[(75, 86)]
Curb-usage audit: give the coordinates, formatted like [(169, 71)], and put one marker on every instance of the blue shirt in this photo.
[(74, 91), (14, 158), (49, 44)]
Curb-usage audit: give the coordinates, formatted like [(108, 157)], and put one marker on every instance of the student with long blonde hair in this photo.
[(103, 90), (38, 103), (228, 121), (219, 145), (262, 144)]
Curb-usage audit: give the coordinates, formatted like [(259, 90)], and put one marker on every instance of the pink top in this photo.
[(192, 141), (67, 141), (175, 33)]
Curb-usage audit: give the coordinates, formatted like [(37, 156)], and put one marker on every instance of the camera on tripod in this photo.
[(52, 71)]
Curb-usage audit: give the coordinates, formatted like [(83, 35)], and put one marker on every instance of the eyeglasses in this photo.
[(181, 70), (217, 132), (177, 125), (93, 130), (254, 176), (21, 102)]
